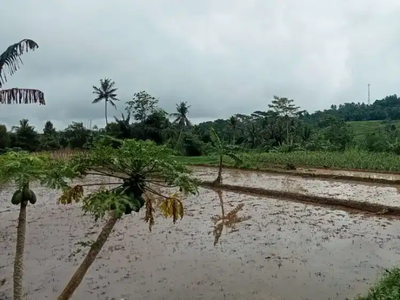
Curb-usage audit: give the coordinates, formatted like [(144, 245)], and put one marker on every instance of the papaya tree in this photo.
[(145, 175), (10, 59), (21, 168), (221, 150)]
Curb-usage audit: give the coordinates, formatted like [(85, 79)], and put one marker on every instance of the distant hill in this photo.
[(362, 128)]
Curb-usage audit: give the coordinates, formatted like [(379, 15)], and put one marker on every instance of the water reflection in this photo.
[(228, 220)]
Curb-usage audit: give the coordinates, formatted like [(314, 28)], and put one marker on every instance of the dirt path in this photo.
[(317, 252)]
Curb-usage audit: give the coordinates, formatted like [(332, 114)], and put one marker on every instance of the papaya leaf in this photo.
[(70, 195), (140, 166), (172, 207)]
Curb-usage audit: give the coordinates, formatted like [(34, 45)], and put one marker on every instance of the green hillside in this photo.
[(362, 128)]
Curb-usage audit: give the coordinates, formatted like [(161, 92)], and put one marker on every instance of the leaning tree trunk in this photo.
[(90, 257), (105, 111), (19, 253)]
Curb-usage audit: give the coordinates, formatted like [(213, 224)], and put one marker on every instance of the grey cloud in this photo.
[(223, 57)]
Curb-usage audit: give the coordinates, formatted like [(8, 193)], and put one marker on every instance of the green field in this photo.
[(362, 128), (352, 159)]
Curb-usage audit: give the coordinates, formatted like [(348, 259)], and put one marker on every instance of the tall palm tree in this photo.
[(10, 59), (233, 120), (182, 110), (106, 92), (23, 124)]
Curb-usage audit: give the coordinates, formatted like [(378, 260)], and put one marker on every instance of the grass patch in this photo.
[(352, 159), (363, 128), (387, 287)]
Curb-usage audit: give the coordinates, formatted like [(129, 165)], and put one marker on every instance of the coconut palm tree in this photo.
[(10, 59), (106, 92), (23, 124), (233, 121), (182, 110)]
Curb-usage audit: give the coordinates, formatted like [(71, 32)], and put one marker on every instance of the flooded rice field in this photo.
[(234, 247), (363, 174), (373, 193)]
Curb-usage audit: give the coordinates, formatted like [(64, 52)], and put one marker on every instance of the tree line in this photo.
[(282, 127)]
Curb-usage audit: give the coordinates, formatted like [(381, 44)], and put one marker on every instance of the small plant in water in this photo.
[(144, 174), (222, 150)]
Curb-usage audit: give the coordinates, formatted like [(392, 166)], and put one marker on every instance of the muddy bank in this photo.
[(374, 194), (320, 253), (328, 202), (335, 174)]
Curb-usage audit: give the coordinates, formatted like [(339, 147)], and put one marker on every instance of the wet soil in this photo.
[(336, 174), (354, 173), (318, 252), (387, 195)]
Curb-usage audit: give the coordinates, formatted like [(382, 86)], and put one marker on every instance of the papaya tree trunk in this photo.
[(95, 249), (19, 253)]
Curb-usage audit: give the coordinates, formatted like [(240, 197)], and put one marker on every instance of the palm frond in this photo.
[(96, 91), (106, 91), (112, 104), (97, 100), (22, 96), (187, 121), (12, 57), (112, 92)]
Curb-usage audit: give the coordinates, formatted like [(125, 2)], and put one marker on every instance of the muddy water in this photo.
[(362, 174), (318, 253), (373, 193)]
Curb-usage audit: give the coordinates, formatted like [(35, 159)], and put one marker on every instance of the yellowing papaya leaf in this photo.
[(172, 207), (149, 216), (72, 194)]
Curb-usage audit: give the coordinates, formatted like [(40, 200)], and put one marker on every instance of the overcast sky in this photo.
[(222, 56)]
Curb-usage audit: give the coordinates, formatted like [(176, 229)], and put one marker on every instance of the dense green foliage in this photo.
[(283, 128), (387, 288), (137, 168), (21, 168), (349, 159)]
